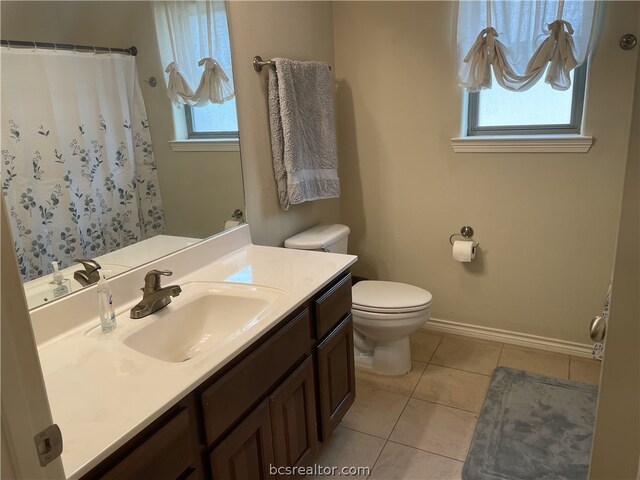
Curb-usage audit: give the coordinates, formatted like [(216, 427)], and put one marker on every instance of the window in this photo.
[(193, 37), (539, 110), (212, 121)]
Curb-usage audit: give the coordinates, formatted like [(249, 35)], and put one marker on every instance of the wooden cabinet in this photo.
[(233, 395), (268, 407), (334, 355), (247, 452), (336, 376), (280, 432), (293, 418), (168, 449), (166, 455)]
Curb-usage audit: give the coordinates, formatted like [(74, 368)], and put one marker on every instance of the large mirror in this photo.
[(91, 168)]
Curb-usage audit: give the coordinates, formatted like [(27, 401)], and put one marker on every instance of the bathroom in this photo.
[(552, 226)]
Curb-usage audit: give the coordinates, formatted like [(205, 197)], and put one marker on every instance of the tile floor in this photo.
[(420, 426)]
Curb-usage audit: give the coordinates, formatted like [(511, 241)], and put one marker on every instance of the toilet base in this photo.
[(391, 358)]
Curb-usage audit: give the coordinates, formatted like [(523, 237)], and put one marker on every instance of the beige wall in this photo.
[(297, 30), (199, 190), (616, 447), (546, 223)]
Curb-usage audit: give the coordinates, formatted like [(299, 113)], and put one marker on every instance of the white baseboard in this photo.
[(513, 338)]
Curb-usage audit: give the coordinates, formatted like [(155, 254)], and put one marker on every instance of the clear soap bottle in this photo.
[(105, 305), (61, 285)]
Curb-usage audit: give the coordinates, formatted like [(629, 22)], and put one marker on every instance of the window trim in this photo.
[(205, 145), (523, 144), (572, 128), (193, 135)]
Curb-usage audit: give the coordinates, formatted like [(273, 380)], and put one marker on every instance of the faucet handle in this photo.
[(89, 265), (152, 279)]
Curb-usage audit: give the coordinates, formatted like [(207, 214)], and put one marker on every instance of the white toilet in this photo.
[(384, 313)]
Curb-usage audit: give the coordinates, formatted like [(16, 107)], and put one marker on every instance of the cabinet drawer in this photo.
[(332, 307), (231, 396), (167, 454)]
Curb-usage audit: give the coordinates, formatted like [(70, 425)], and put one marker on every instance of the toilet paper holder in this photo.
[(465, 232)]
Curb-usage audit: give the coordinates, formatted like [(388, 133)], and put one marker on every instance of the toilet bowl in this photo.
[(384, 313)]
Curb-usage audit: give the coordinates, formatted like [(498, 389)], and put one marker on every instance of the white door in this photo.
[(25, 407), (616, 443)]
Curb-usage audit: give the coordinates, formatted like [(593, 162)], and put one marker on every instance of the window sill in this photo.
[(209, 145), (523, 144)]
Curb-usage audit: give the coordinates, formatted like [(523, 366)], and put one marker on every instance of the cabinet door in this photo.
[(336, 376), (293, 418), (247, 452)]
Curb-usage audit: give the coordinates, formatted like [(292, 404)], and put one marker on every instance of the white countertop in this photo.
[(102, 393)]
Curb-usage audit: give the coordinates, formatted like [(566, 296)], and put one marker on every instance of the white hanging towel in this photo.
[(303, 132)]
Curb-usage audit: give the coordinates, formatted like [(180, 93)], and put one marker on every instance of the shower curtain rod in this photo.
[(133, 51)]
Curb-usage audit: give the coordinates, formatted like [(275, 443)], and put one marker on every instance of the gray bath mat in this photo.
[(532, 427)]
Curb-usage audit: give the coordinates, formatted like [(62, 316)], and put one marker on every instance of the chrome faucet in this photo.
[(153, 296), (90, 274)]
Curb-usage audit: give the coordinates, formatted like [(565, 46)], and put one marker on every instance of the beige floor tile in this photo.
[(375, 411), (454, 388), (435, 428), (535, 361), (467, 354), (348, 448), (423, 344), (403, 385), (398, 462), (584, 370)]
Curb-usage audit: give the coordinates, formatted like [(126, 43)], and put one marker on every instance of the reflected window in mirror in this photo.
[(198, 64)]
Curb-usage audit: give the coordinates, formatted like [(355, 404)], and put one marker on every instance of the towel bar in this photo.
[(258, 63)]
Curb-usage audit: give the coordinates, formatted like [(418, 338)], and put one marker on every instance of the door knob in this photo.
[(598, 328)]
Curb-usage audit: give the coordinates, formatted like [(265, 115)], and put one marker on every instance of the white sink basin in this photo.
[(205, 316)]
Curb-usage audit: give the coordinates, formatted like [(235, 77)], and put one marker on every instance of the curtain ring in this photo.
[(8, 45), (109, 51), (74, 49), (35, 46), (55, 47), (94, 50)]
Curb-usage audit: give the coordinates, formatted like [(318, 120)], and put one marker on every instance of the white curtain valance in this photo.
[(193, 37), (521, 40)]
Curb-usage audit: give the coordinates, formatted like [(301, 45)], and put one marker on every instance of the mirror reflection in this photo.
[(94, 181)]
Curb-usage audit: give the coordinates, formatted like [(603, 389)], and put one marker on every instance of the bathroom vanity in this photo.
[(138, 403)]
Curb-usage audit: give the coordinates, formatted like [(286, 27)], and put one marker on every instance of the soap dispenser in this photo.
[(62, 286), (105, 305)]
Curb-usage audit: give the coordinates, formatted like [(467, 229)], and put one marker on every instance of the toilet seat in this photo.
[(391, 298)]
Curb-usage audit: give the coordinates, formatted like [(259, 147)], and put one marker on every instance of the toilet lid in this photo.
[(379, 296)]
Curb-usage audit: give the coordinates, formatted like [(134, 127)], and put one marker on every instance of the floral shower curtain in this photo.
[(78, 173)]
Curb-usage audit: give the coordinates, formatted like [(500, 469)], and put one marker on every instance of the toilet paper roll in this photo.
[(464, 251), (230, 224)]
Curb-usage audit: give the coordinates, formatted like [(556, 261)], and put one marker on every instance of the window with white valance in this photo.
[(193, 37), (521, 42), (524, 65)]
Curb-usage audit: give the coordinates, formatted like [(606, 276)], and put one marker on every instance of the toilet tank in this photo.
[(328, 238)]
